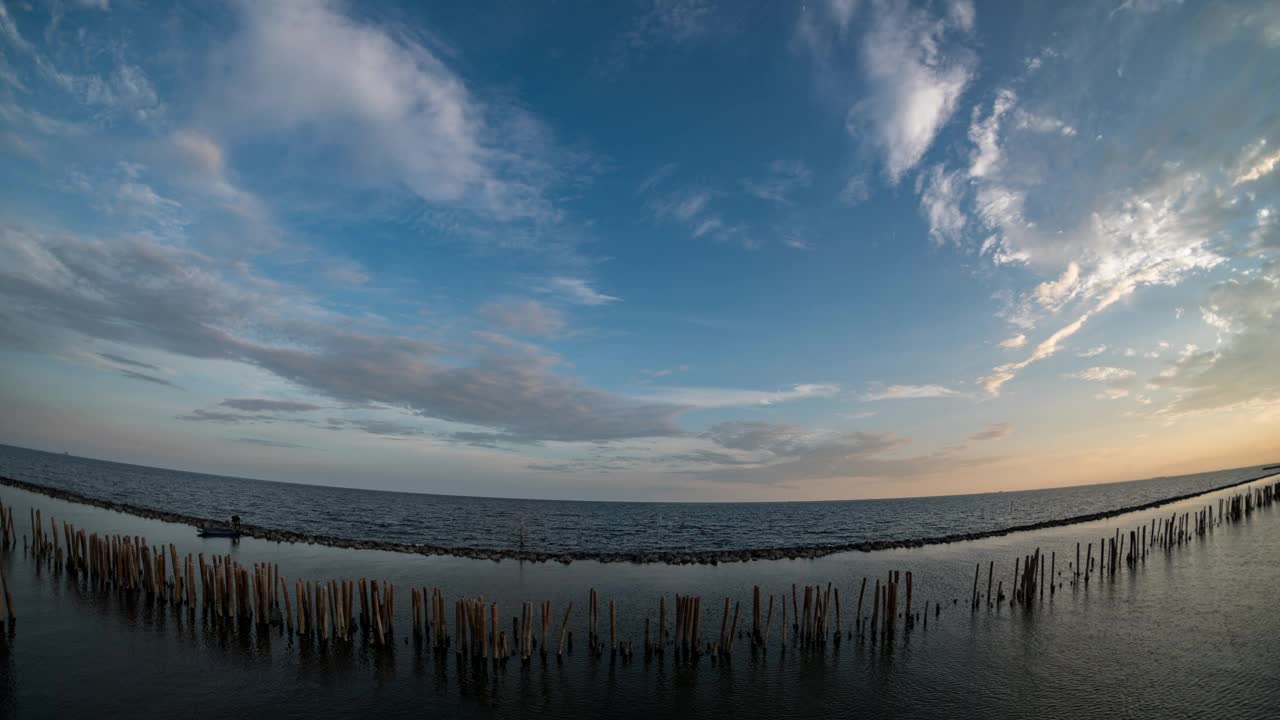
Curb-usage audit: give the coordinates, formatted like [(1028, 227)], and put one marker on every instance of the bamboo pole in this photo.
[(733, 629), (837, 615), (724, 625), (697, 624), (768, 622), (755, 615), (858, 620), (8, 599), (662, 621), (785, 621), (564, 626), (875, 607)]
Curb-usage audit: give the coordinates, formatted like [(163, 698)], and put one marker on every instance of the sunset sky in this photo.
[(672, 249)]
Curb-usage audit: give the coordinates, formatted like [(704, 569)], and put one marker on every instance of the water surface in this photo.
[(1191, 634), (557, 526)]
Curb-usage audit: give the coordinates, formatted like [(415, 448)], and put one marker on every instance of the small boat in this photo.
[(218, 532)]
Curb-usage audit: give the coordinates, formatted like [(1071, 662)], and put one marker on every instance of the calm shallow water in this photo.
[(573, 526), (1191, 634)]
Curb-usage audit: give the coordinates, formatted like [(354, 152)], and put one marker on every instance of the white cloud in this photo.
[(1103, 374), (1242, 370), (842, 11), (940, 200), (855, 191), (998, 431), (1154, 237), (383, 102), (916, 77), (705, 226), (691, 208), (1034, 122), (346, 272), (728, 397), (525, 317), (1004, 373), (9, 30), (984, 133), (1014, 342), (795, 243), (656, 178), (1000, 208), (688, 207), (1092, 352), (199, 163), (784, 179), (673, 21), (912, 392), (579, 291), (1264, 166), (664, 372), (962, 13), (124, 90), (1052, 294)]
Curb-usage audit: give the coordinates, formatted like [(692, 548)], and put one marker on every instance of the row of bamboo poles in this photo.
[(337, 612), (1126, 549)]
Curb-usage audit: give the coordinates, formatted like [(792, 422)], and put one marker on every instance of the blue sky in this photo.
[(671, 249)]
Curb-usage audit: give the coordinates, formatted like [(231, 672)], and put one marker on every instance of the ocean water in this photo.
[(554, 526), (1190, 634)]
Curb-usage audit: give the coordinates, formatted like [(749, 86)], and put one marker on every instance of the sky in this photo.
[(645, 250)]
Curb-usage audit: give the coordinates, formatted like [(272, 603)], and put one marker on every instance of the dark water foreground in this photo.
[(1191, 633), (553, 530)]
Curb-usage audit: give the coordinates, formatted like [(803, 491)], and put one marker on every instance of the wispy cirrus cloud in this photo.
[(1242, 370), (578, 291), (1103, 374), (940, 193), (1154, 238), (782, 180), (663, 372), (912, 392), (731, 397), (1154, 222), (1258, 165), (673, 21), (996, 431)]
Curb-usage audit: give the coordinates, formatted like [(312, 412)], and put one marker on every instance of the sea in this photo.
[(1190, 632), (563, 526)]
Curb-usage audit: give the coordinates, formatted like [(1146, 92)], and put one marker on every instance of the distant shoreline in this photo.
[(669, 557)]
